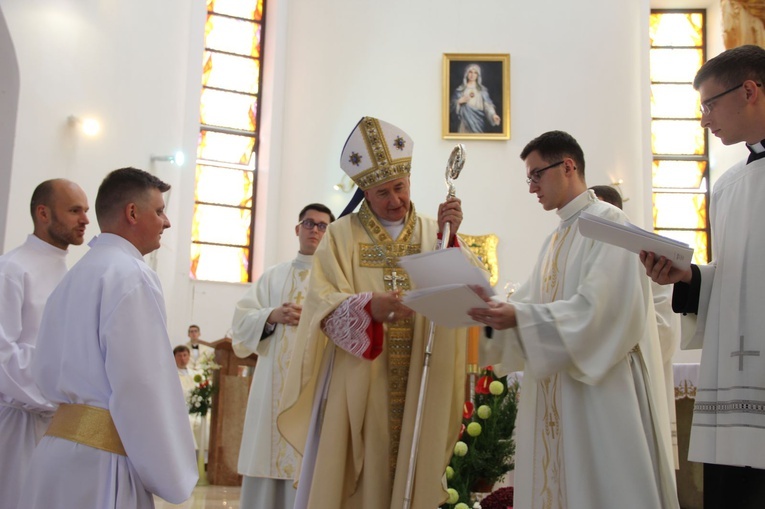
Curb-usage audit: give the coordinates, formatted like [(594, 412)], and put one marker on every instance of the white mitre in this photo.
[(376, 152)]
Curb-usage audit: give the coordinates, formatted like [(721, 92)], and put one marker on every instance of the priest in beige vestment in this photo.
[(350, 401)]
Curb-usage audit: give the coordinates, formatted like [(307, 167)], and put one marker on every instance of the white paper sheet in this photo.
[(635, 239), (441, 291)]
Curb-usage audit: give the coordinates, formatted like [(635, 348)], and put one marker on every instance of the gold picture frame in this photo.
[(476, 107)]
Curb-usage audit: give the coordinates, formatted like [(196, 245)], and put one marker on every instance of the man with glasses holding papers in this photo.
[(726, 296), (592, 427)]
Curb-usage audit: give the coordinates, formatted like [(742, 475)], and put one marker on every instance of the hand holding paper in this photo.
[(498, 315), (661, 270), (441, 280), (632, 238)]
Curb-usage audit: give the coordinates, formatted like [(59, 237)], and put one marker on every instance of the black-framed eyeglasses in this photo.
[(536, 175), (706, 106), (309, 224)]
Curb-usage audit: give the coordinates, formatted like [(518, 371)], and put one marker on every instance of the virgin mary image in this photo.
[(471, 104)]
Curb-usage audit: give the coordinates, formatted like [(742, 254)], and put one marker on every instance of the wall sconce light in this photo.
[(345, 185), (178, 158), (617, 185), (88, 125)]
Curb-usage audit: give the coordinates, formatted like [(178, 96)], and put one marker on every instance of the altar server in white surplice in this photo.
[(727, 296), (28, 274), (121, 432), (265, 323), (593, 429)]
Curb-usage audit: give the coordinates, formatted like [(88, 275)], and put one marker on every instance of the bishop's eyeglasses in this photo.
[(309, 224), (536, 175)]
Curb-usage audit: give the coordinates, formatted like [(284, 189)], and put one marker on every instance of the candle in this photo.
[(472, 346)]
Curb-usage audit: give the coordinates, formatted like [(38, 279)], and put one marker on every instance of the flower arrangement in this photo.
[(500, 499), (484, 452), (200, 397)]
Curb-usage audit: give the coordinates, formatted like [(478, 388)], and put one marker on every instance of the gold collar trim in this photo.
[(377, 231)]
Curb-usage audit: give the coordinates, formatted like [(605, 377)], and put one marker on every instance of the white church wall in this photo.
[(9, 100), (137, 67), (125, 63), (347, 59)]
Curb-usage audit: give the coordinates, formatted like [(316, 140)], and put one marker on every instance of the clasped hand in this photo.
[(287, 314)]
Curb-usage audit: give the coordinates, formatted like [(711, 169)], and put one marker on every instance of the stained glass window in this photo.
[(224, 193), (678, 142)]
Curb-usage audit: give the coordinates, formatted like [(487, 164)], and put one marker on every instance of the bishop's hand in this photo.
[(450, 212), (387, 307)]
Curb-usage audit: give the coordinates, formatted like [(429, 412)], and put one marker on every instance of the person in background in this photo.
[(186, 376), (667, 321), (182, 358), (28, 274), (201, 351), (265, 323)]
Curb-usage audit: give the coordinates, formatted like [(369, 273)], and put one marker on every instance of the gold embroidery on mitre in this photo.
[(385, 168)]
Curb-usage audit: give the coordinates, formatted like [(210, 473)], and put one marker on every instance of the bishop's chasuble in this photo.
[(729, 414), (593, 429), (365, 438), (264, 453)]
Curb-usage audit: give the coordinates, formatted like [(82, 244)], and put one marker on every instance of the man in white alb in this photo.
[(727, 295), (120, 433), (265, 323), (593, 428), (28, 274)]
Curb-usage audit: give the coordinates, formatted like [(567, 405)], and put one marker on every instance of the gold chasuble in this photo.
[(368, 414)]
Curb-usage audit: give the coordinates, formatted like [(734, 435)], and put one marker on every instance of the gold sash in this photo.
[(87, 425)]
